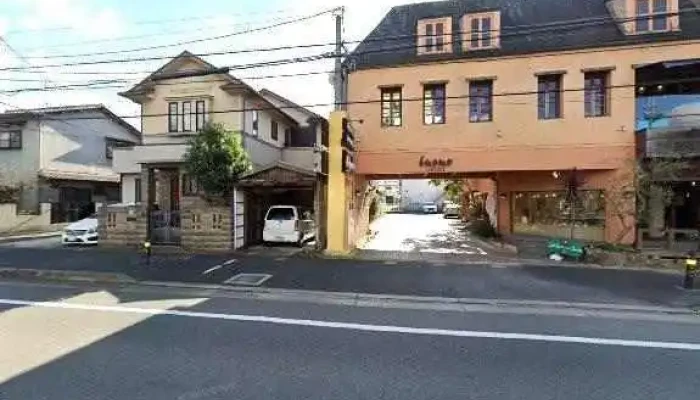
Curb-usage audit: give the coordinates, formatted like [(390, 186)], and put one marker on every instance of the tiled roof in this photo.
[(400, 24)]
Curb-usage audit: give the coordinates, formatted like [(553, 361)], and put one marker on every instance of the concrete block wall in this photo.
[(122, 226), (205, 226)]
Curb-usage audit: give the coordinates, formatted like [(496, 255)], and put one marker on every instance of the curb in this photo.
[(443, 303), (71, 276), (9, 239), (349, 298)]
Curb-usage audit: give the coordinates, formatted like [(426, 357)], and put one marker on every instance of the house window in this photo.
[(201, 115), (481, 30), (429, 37), (111, 144), (481, 101), (173, 117), (434, 35), (391, 106), (187, 116), (189, 185), (651, 15), (549, 96), (596, 93), (137, 190), (11, 140), (274, 131), (439, 41), (255, 122), (434, 104), (287, 136)]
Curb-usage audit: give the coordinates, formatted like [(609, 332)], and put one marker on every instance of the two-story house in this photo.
[(62, 156), (177, 101), (516, 93)]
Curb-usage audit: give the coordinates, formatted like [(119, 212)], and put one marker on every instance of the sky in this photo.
[(36, 31)]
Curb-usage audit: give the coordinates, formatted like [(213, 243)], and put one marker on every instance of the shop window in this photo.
[(549, 214)]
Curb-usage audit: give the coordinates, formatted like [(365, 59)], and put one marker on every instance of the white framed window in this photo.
[(11, 140), (481, 31), (201, 116), (173, 116), (651, 15), (256, 122), (187, 116)]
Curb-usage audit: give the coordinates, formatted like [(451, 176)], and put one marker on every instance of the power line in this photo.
[(537, 28), (144, 59), (123, 39), (157, 21), (129, 81), (498, 34), (545, 27), (415, 99), (207, 39)]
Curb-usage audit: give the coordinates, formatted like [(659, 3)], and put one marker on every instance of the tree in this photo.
[(453, 188), (215, 159), (630, 192)]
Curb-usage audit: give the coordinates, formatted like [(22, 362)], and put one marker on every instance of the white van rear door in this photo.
[(281, 219)]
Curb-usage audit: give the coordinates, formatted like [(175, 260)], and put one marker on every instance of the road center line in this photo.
[(364, 327)]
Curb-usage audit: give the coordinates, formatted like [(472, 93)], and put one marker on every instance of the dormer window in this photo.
[(434, 36), (481, 31), (639, 17)]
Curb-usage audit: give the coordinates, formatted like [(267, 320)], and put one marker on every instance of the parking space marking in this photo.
[(212, 269)]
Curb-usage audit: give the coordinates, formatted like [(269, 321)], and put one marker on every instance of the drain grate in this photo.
[(248, 279)]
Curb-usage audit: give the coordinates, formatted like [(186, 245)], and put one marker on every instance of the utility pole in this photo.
[(338, 79)]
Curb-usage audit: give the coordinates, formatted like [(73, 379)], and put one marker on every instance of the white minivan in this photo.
[(288, 224)]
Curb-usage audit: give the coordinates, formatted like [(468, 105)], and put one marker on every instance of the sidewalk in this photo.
[(533, 282)]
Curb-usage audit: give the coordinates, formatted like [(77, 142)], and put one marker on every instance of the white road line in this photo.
[(212, 269), (365, 327), (229, 262)]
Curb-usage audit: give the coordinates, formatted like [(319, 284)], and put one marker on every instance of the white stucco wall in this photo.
[(20, 166), (78, 146), (128, 188)]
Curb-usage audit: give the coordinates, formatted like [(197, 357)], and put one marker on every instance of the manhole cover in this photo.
[(248, 279)]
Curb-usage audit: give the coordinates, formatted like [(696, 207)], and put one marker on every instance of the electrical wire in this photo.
[(548, 27), (206, 39), (416, 99)]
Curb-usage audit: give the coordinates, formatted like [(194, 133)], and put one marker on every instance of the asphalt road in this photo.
[(154, 344)]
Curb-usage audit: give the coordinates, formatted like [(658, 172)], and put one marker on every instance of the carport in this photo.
[(278, 184)]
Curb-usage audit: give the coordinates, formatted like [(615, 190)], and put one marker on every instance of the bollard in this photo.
[(147, 246), (691, 264)]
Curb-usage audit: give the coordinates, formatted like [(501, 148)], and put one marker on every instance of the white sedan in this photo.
[(81, 232)]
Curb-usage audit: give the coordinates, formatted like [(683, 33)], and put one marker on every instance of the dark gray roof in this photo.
[(24, 115), (599, 29)]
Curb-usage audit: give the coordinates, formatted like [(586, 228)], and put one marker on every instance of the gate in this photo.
[(165, 227)]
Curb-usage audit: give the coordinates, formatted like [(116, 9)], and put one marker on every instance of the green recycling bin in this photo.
[(570, 249)]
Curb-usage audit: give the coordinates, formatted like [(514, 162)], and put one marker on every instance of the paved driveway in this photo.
[(423, 233)]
